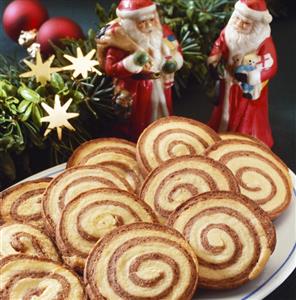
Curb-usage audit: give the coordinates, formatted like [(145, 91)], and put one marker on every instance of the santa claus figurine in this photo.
[(142, 57), (246, 35)]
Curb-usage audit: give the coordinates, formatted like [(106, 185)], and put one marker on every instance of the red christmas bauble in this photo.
[(56, 29), (23, 15)]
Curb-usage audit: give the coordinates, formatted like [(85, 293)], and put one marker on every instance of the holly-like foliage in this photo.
[(21, 130)]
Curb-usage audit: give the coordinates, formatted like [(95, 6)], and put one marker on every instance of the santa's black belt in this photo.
[(147, 76)]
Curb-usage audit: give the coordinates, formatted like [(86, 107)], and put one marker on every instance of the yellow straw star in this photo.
[(81, 65), (58, 116), (40, 70)]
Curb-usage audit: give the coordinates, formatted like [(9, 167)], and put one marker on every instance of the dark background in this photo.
[(194, 104)]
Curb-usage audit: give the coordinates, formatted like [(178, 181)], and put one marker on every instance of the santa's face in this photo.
[(242, 25), (147, 25), (145, 32), (148, 34), (244, 35)]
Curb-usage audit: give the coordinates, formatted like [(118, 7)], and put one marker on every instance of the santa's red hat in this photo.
[(254, 9), (133, 9)]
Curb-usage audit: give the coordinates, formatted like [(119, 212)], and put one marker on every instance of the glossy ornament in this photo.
[(56, 29), (23, 15)]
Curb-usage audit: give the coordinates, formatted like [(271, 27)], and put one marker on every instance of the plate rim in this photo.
[(288, 265)]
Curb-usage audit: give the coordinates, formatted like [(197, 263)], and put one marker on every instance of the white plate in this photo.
[(281, 264)]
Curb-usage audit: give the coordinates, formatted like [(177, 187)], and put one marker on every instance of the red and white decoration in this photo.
[(255, 10), (25, 20), (234, 112), (135, 9), (23, 15), (152, 97)]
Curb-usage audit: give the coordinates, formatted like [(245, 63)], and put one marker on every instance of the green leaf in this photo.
[(27, 113), (36, 115), (78, 96), (91, 34), (23, 106), (29, 94), (41, 90), (57, 81), (3, 93)]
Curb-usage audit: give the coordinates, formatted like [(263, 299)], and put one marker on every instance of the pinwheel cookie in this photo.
[(117, 154), (261, 175), (141, 261), (70, 184), (232, 237), (22, 203), (17, 238), (179, 179), (172, 137), (25, 277), (93, 214)]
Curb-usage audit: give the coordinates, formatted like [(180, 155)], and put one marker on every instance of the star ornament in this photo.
[(81, 65), (40, 70), (58, 116)]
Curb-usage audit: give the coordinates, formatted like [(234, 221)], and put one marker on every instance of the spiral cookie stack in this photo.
[(19, 238), (72, 183), (24, 277), (22, 203), (93, 214), (117, 154), (172, 137), (141, 261), (261, 175), (177, 180), (206, 188), (232, 237)]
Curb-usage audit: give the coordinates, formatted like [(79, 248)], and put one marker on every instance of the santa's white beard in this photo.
[(242, 43), (151, 42)]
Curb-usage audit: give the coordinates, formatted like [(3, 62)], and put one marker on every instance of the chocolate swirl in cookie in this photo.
[(177, 180), (22, 203), (26, 239), (141, 261), (232, 237), (116, 154), (73, 182), (92, 215), (25, 277), (172, 137), (261, 175)]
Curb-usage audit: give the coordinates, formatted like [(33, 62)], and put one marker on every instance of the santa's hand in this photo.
[(170, 67), (241, 77), (141, 58)]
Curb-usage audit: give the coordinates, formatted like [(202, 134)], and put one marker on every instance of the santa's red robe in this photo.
[(141, 85), (240, 114)]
